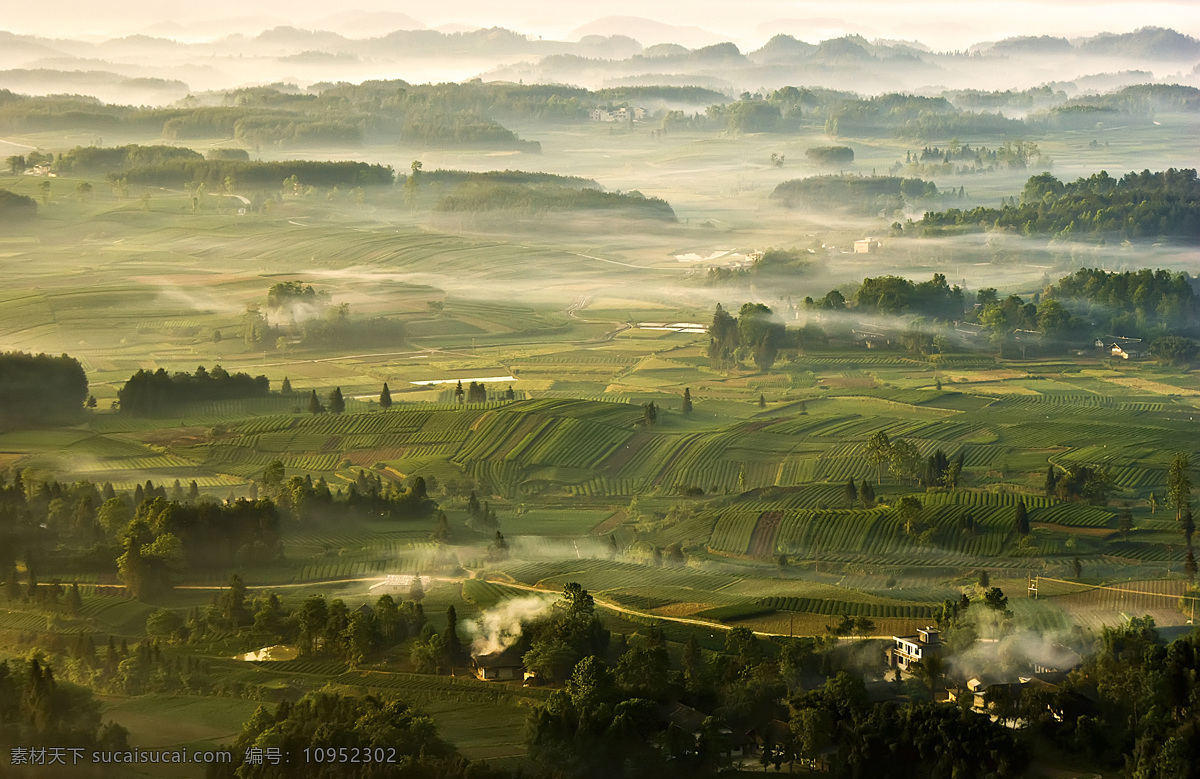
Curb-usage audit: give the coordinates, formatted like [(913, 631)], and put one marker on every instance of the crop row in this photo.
[(853, 609), (737, 611), (486, 594), (576, 444), (603, 487)]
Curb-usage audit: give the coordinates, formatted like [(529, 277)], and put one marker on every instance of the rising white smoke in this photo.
[(499, 627)]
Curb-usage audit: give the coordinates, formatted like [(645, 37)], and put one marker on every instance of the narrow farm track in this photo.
[(602, 603)]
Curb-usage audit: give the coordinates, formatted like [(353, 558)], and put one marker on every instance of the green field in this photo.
[(732, 515)]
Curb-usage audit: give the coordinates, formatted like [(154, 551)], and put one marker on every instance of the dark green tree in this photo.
[(233, 603), (385, 398), (441, 532), (1051, 480), (1125, 523), (866, 494), (453, 644), (337, 404), (686, 407), (722, 339), (74, 601), (1021, 517), (314, 404), (850, 494)]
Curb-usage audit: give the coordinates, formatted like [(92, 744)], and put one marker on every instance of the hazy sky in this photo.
[(941, 23)]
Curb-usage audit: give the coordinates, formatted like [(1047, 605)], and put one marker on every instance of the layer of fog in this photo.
[(303, 47), (747, 25)]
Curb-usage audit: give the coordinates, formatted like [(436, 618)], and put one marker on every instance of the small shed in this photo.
[(505, 665), (866, 246)]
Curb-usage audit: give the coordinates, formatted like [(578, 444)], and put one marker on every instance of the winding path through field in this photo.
[(602, 603)]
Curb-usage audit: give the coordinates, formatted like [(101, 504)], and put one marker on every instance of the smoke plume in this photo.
[(499, 627)]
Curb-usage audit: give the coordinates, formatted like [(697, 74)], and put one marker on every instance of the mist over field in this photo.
[(557, 390)]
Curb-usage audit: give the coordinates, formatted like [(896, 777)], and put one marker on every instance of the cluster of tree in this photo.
[(863, 494), (772, 261), (962, 158), (119, 669), (1138, 205), (164, 538), (481, 515), (298, 312), (1132, 706), (838, 723), (555, 644), (1151, 302), (893, 295), (40, 389), (391, 739), (154, 392), (750, 114), (914, 116), (1079, 117), (643, 714), (830, 155), (1161, 307), (997, 100), (228, 155), (541, 198), (300, 498), (476, 392), (866, 194), (15, 208), (234, 174), (755, 333), (37, 710), (335, 328), (904, 461), (1087, 483), (1146, 99), (96, 160), (462, 129), (332, 629), (286, 296), (68, 526), (448, 179)]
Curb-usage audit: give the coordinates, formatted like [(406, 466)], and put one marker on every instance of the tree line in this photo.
[(1158, 306), (756, 334), (474, 196), (1138, 205), (40, 389), (216, 174), (147, 393), (865, 194), (15, 208)]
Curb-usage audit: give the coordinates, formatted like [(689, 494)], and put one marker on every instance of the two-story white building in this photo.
[(906, 650)]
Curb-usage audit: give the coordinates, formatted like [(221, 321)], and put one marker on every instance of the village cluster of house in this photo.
[(617, 114), (983, 693), (985, 690)]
